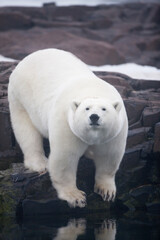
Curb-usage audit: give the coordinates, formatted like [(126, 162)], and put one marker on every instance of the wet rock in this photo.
[(153, 207), (142, 193), (9, 196), (144, 196), (31, 194)]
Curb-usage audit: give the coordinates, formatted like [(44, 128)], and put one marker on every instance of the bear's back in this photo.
[(49, 67)]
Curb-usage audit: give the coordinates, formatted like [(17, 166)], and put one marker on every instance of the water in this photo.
[(90, 227)]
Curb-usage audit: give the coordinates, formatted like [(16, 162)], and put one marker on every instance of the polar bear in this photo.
[(53, 94)]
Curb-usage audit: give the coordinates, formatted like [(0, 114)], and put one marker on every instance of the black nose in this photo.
[(94, 118)]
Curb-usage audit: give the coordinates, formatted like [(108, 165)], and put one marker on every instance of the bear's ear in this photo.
[(117, 105), (75, 104)]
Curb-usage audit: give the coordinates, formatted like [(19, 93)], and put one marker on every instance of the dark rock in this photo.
[(130, 177), (147, 147), (137, 136), (150, 95), (134, 108), (131, 36), (142, 193), (120, 84), (154, 44), (9, 196), (5, 132), (135, 125), (151, 58), (18, 177), (154, 15), (147, 196), (150, 116), (153, 207), (144, 84), (157, 138), (34, 195), (115, 80), (100, 23), (91, 52), (72, 13), (30, 12), (8, 147), (131, 159), (14, 20)]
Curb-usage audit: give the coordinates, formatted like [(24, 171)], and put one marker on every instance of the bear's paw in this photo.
[(106, 189), (36, 163), (74, 197)]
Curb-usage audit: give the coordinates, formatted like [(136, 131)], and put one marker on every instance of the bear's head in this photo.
[(95, 120)]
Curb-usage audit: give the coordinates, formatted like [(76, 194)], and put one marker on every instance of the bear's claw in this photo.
[(77, 204), (81, 202), (107, 195)]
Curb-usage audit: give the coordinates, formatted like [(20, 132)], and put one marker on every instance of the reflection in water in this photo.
[(76, 227), (107, 231), (89, 227), (72, 230)]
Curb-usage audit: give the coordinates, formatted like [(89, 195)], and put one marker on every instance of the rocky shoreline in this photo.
[(137, 179), (98, 35)]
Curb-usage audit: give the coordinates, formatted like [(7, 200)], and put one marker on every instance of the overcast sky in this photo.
[(39, 3)]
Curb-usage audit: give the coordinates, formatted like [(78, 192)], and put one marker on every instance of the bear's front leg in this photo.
[(107, 158), (63, 162)]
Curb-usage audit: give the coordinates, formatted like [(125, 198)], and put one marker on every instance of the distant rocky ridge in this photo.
[(98, 35)]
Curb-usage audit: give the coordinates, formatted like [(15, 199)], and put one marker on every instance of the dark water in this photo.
[(98, 226)]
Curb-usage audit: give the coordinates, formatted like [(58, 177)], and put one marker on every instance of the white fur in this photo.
[(50, 92)]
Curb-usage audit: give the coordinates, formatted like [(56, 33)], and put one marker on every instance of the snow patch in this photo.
[(133, 70), (6, 59)]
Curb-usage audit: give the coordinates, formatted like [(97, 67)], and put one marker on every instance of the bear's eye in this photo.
[(87, 108), (103, 109)]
